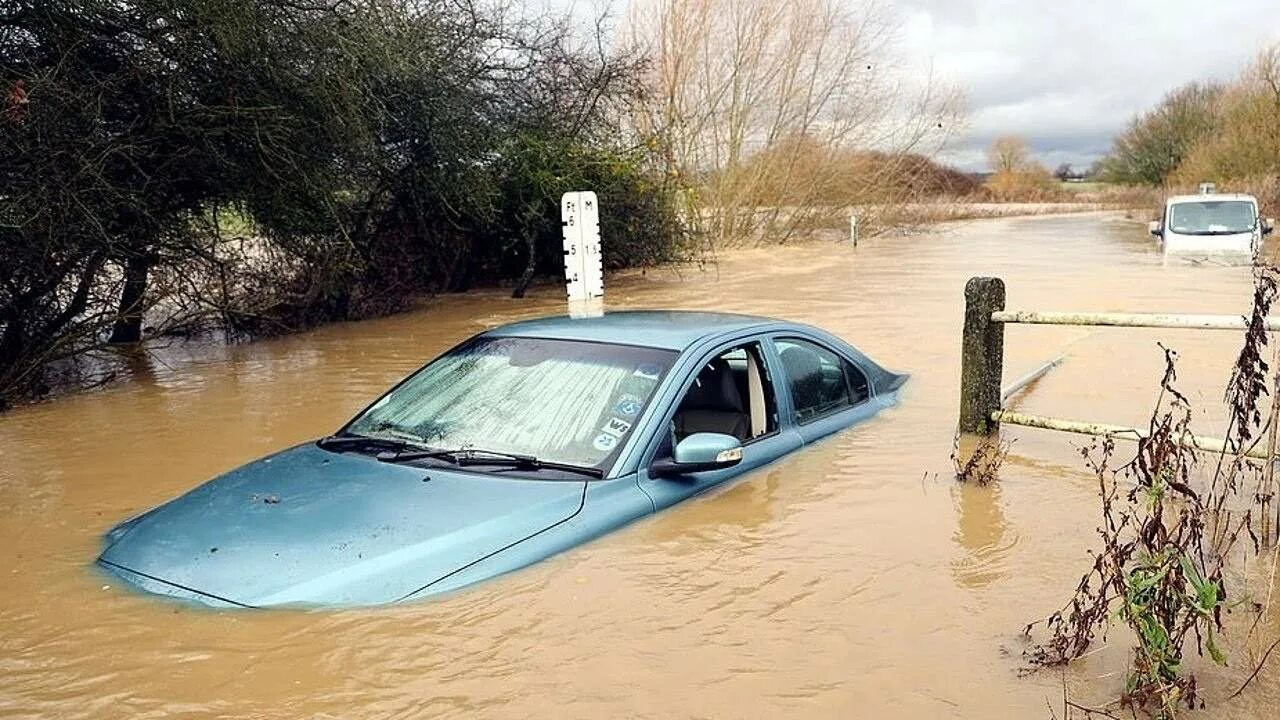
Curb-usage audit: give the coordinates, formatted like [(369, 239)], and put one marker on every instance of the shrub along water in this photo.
[(1172, 527), (258, 166), (252, 167)]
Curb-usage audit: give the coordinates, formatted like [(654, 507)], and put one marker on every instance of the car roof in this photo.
[(1209, 197), (668, 329)]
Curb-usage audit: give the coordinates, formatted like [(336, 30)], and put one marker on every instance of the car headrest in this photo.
[(715, 389)]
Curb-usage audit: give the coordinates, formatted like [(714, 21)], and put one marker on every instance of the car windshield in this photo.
[(1212, 217), (561, 401)]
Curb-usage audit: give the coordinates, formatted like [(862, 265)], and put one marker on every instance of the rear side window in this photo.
[(821, 381)]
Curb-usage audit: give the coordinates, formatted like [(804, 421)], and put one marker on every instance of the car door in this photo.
[(770, 436)]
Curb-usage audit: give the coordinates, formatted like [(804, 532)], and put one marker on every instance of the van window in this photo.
[(1212, 217)]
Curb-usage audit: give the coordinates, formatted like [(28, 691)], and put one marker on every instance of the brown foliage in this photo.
[(1016, 176), (1167, 541), (758, 107), (1245, 143), (1009, 154), (978, 460), (1031, 184), (806, 169), (1235, 141)]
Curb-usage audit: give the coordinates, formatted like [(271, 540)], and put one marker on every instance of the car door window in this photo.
[(731, 394), (820, 380)]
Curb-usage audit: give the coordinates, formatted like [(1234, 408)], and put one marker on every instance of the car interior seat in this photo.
[(714, 404)]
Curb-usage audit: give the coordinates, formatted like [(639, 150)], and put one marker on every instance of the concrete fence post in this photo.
[(981, 356)]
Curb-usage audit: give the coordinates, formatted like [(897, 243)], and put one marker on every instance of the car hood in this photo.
[(309, 526)]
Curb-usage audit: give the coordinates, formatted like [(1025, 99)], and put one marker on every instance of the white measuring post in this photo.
[(583, 271), (853, 229)]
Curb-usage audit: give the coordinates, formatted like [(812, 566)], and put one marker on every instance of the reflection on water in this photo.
[(742, 510), (850, 579), (981, 531)]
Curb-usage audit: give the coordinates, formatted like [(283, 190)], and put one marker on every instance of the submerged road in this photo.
[(853, 579)]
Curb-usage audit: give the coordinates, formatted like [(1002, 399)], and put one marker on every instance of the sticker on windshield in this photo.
[(605, 442), (648, 370), (628, 405), (616, 427)]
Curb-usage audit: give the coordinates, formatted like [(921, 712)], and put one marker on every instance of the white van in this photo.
[(1211, 224)]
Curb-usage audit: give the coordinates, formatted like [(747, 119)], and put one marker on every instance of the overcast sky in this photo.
[(1067, 75)]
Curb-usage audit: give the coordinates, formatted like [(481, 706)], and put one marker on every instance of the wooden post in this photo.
[(981, 356)]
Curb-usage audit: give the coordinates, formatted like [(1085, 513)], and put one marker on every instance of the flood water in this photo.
[(854, 578)]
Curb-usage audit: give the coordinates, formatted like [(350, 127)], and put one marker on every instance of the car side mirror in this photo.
[(1268, 225), (1154, 228), (699, 452)]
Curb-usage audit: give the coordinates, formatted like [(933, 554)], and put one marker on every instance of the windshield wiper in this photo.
[(401, 455), (340, 441), (530, 462), (398, 444), (397, 450), (470, 456), (1204, 233)]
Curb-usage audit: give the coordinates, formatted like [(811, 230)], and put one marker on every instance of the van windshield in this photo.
[(562, 401), (1212, 217)]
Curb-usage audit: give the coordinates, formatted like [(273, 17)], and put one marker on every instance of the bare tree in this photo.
[(736, 80), (1008, 153)]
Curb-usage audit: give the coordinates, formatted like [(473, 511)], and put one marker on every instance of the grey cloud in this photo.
[(1068, 75)]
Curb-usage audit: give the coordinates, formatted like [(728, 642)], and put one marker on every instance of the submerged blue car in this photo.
[(519, 443)]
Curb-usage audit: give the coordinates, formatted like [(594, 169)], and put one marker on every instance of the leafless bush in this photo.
[(742, 90), (978, 460)]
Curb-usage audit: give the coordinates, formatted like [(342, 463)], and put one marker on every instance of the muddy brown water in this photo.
[(851, 579)]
